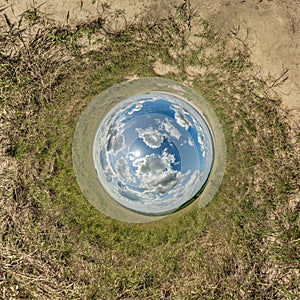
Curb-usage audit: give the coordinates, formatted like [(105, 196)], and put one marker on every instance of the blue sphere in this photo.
[(153, 153)]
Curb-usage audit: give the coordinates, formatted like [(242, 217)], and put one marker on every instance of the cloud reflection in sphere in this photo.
[(153, 152)]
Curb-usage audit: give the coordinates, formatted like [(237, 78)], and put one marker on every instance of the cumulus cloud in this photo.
[(156, 173), (115, 140), (190, 142), (153, 138), (173, 184), (187, 185), (137, 107), (180, 117), (130, 194), (153, 164), (109, 174), (203, 144), (170, 128), (166, 183), (122, 168)]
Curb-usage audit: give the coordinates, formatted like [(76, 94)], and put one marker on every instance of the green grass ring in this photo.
[(82, 150)]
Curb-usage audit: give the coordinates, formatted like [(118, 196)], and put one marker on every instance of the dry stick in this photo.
[(277, 81), (68, 16), (4, 8), (10, 25)]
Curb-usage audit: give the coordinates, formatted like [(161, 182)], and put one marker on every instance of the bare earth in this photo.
[(270, 29)]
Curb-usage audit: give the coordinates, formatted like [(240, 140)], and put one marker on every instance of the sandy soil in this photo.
[(270, 28)]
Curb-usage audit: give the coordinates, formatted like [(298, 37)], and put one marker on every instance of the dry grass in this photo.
[(54, 245)]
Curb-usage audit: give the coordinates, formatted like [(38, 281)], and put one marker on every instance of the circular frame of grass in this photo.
[(82, 148)]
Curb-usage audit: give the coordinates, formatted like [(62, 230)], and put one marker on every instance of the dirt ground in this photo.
[(269, 28)]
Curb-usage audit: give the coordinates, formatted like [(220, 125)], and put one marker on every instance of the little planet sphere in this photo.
[(153, 152)]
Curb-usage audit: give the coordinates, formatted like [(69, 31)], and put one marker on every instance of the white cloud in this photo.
[(116, 142), (187, 186), (166, 183), (156, 173), (190, 142), (122, 168), (137, 107), (151, 137), (109, 174), (115, 136), (180, 116), (130, 194), (203, 144), (170, 129)]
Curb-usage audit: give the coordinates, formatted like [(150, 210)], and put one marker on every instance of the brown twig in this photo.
[(279, 80)]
